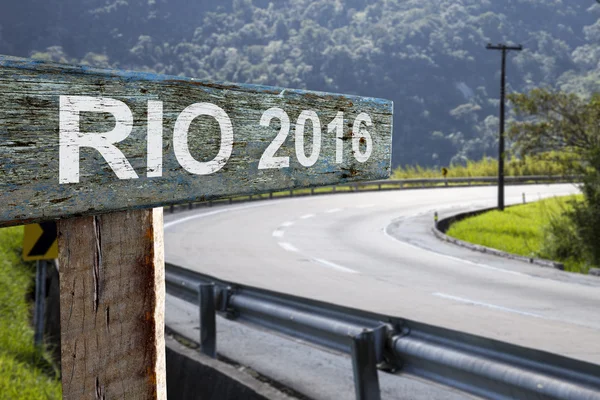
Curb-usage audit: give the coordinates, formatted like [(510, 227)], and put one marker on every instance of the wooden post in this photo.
[(112, 292)]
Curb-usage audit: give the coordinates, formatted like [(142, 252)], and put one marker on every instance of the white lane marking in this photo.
[(366, 206), (278, 233), (333, 210), (288, 246), (485, 266), (307, 216), (208, 214), (287, 223), (335, 266), (487, 305)]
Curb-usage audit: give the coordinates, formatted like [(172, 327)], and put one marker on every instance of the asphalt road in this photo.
[(375, 251)]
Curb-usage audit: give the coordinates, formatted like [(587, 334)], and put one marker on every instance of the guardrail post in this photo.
[(190, 206), (364, 364), (333, 189), (312, 191), (291, 192), (208, 319), (40, 301)]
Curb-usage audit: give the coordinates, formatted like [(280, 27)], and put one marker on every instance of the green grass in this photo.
[(26, 372), (519, 230)]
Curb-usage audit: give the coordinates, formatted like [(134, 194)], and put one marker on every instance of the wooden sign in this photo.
[(39, 242), (97, 149), (76, 140)]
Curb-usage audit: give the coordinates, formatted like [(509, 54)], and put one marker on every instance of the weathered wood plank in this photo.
[(49, 171), (112, 306)]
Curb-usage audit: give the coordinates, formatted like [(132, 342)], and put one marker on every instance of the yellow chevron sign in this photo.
[(39, 242)]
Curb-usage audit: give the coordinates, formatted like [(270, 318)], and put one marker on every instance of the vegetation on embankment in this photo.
[(539, 229), (26, 372), (549, 164)]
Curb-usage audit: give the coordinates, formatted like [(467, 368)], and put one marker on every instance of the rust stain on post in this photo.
[(112, 316)]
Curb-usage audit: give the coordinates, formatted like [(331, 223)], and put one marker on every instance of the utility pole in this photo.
[(504, 49)]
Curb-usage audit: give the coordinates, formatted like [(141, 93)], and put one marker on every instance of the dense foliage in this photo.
[(567, 123), (428, 56)]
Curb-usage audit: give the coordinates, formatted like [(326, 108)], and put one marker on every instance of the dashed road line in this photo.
[(307, 216), (288, 246), (278, 233), (335, 266), (487, 305)]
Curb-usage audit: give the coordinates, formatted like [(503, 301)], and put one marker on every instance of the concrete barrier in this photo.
[(191, 375)]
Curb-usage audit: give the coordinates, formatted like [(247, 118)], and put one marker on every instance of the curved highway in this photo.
[(375, 251)]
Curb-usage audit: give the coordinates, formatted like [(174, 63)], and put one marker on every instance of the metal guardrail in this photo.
[(483, 367), (390, 184), (471, 180)]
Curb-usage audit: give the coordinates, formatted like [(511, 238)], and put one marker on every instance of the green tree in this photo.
[(558, 121)]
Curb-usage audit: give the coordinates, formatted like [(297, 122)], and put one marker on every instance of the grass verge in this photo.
[(521, 230), (26, 372)]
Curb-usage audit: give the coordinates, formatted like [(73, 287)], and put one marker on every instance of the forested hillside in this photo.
[(428, 56)]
